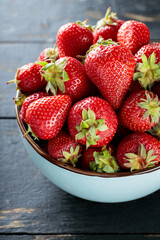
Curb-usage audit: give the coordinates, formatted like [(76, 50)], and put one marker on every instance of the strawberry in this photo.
[(92, 122), (147, 71), (28, 78), (74, 39), (46, 116), (64, 148), (133, 35), (110, 66), (67, 76), (28, 100), (107, 27), (147, 50), (138, 151), (48, 54), (140, 111), (100, 159)]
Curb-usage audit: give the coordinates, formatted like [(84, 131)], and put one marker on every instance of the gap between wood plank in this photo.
[(45, 41), (31, 42), (2, 118), (80, 234)]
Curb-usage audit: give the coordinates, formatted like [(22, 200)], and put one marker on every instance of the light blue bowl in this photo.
[(99, 187)]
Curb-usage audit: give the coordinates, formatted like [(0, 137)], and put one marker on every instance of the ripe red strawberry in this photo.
[(110, 67), (100, 159), (28, 100), (138, 151), (147, 71), (92, 122), (46, 116), (74, 39), (133, 35), (67, 76), (107, 27), (28, 78), (147, 50), (64, 148), (48, 54), (140, 111)]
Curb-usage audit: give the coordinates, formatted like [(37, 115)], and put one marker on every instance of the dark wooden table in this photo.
[(31, 207)]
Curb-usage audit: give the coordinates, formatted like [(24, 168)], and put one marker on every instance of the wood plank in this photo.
[(40, 20), (80, 237), (32, 204), (12, 57)]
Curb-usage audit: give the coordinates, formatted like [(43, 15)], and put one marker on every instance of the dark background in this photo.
[(31, 207)]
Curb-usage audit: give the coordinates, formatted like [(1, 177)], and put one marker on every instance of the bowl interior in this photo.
[(68, 167)]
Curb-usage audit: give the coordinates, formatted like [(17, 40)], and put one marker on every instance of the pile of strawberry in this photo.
[(93, 101)]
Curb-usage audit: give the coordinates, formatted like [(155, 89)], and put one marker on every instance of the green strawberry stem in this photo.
[(71, 157), (155, 131), (32, 133), (14, 80), (152, 106), (100, 41), (104, 162), (89, 126), (51, 53), (55, 75), (84, 24), (20, 99), (147, 72), (109, 19), (141, 160)]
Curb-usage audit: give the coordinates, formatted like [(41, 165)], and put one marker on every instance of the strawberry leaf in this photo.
[(89, 126), (42, 63), (65, 76), (147, 72), (141, 160)]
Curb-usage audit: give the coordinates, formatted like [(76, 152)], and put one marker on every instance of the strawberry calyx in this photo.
[(20, 99), (152, 106), (102, 42), (71, 157), (55, 75), (109, 19), (147, 72), (15, 80), (141, 160), (89, 126), (32, 133), (155, 131), (51, 53), (104, 162), (84, 24)]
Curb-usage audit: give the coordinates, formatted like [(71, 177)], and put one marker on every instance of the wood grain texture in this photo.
[(81, 237), (40, 20), (31, 207), (32, 204)]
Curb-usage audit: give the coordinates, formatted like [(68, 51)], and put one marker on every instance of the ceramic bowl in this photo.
[(98, 187)]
